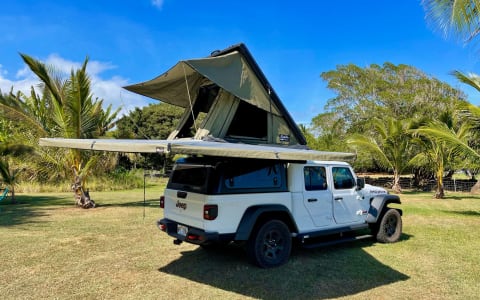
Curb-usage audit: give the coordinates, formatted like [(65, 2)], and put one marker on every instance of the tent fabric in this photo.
[(220, 116), (233, 72), (237, 82), (280, 129), (230, 72), (197, 147)]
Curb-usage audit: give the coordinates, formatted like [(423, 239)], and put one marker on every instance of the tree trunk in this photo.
[(396, 183), (439, 191), (476, 188), (14, 201), (82, 197)]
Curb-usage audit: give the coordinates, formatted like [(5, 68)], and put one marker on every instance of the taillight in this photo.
[(162, 201), (162, 227), (194, 237), (210, 212)]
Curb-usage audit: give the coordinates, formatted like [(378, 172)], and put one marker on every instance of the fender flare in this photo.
[(378, 204), (253, 213)]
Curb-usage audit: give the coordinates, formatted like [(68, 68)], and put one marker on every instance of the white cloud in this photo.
[(25, 71), (60, 64), (108, 89), (22, 83), (111, 92), (158, 3), (65, 66), (2, 71)]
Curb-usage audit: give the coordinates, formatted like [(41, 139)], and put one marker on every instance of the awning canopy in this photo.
[(197, 147)]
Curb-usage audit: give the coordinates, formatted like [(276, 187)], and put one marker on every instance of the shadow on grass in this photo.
[(462, 197), (327, 272), (448, 196), (147, 203), (468, 213), (28, 209)]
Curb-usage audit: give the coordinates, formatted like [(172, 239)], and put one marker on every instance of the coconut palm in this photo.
[(443, 141), (65, 107), (462, 18), (458, 17), (8, 174), (389, 147)]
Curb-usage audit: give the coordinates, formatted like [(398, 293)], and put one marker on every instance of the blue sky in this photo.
[(292, 41)]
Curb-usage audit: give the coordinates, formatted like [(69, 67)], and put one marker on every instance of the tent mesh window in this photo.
[(249, 121)]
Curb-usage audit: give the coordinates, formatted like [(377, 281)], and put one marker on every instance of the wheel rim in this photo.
[(273, 245), (390, 226)]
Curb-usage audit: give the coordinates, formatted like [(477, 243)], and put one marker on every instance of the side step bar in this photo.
[(336, 241)]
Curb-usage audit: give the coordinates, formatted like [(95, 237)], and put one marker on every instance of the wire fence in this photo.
[(455, 185)]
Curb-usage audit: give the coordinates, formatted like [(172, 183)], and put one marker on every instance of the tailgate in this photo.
[(185, 207)]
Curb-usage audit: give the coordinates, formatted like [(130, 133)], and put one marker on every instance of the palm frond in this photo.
[(44, 75), (458, 144), (470, 79), (459, 17), (371, 146)]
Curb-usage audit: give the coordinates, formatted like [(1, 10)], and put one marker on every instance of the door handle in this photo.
[(312, 200), (338, 198)]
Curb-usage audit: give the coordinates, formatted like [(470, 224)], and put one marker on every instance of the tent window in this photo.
[(249, 121), (203, 103)]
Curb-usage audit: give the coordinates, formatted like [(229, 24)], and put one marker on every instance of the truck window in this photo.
[(255, 177), (342, 178), (190, 178), (315, 178)]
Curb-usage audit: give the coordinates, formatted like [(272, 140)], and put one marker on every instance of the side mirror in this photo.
[(360, 183)]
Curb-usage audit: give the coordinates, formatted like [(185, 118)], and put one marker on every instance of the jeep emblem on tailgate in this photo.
[(181, 204)]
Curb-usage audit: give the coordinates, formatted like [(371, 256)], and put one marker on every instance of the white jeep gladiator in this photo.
[(268, 205)]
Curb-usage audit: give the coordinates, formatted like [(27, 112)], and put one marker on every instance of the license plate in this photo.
[(182, 230)]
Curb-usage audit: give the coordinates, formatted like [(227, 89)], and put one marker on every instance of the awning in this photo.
[(197, 147)]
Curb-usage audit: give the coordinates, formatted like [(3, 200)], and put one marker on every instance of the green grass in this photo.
[(50, 249)]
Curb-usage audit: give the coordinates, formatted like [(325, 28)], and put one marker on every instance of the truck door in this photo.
[(317, 197), (346, 204)]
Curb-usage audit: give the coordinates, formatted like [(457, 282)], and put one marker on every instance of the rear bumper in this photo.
[(194, 235)]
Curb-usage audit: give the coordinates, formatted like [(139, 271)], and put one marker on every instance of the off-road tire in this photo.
[(270, 244), (390, 227)]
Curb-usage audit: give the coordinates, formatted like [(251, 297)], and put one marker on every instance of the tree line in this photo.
[(394, 116)]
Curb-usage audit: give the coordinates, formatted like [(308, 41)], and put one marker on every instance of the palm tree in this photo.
[(471, 113), (65, 108), (7, 173), (442, 141), (389, 148), (460, 17)]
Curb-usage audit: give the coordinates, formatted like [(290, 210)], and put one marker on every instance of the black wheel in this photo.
[(390, 227), (270, 245)]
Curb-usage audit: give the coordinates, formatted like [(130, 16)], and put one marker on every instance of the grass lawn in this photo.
[(50, 249)]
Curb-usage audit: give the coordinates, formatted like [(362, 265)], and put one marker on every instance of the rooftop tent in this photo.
[(230, 93)]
